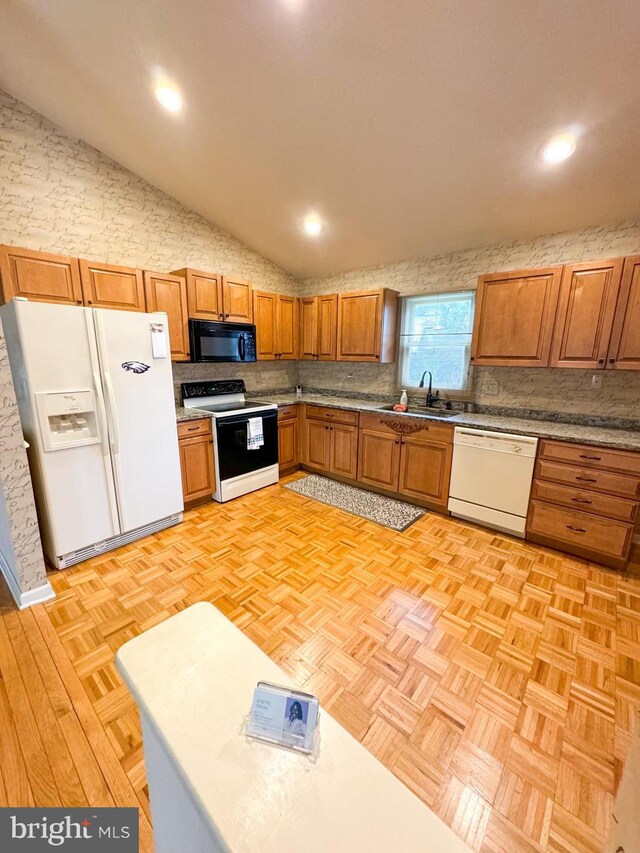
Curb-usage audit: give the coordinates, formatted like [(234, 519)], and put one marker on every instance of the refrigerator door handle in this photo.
[(115, 438), (102, 414)]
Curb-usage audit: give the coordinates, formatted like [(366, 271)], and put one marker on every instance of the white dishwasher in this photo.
[(491, 478)]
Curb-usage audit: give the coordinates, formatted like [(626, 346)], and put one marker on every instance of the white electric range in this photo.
[(238, 468)]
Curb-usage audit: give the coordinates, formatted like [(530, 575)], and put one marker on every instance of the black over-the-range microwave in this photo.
[(222, 341)]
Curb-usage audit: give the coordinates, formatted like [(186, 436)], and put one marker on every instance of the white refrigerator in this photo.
[(95, 394)]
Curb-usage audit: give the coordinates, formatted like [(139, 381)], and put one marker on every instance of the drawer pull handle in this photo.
[(581, 501), (576, 529), (586, 456), (192, 429), (587, 479)]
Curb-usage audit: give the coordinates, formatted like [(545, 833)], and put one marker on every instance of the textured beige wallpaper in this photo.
[(61, 195), (566, 391)]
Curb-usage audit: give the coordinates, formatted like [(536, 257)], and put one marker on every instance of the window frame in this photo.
[(464, 394)]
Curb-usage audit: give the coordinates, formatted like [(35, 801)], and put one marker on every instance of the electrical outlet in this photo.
[(596, 380), (491, 387)]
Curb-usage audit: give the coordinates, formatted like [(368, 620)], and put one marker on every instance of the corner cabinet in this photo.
[(318, 327), (624, 350), (39, 276), (276, 320), (111, 286), (168, 293), (514, 318), (195, 444), (586, 309), (331, 441), (368, 326)]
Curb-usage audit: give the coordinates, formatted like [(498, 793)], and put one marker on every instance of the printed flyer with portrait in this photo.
[(284, 716)]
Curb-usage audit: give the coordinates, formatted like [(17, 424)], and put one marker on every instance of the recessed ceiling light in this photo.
[(169, 97), (312, 225), (559, 148)]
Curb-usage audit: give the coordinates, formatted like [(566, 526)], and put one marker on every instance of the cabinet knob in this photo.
[(79, 301), (612, 361), (326, 427), (601, 361)]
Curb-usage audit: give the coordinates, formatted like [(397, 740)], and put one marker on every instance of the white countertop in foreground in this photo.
[(193, 678)]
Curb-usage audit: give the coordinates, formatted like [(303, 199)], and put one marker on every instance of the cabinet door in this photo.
[(111, 286), (196, 464), (624, 352), (287, 444), (287, 327), (379, 459), (359, 326), (317, 445), (39, 277), (588, 296), (164, 292), (237, 300), (515, 312), (309, 327), (327, 332), (204, 294), (344, 450), (264, 315), (425, 469)]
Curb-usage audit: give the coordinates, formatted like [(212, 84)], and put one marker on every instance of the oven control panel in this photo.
[(211, 389)]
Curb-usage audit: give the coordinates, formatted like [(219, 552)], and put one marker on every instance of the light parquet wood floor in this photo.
[(499, 681)]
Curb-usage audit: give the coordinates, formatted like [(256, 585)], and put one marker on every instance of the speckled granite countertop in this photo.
[(183, 414), (603, 436)]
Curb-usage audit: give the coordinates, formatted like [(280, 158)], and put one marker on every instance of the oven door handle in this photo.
[(241, 347)]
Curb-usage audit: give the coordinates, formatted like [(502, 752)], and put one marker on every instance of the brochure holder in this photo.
[(284, 716)]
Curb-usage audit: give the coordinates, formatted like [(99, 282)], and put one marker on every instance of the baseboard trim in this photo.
[(29, 597)]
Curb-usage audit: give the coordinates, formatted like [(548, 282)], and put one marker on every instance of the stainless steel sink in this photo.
[(422, 410)]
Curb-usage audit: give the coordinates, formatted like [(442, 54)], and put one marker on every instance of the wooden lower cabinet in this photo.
[(288, 439), (425, 469), (379, 459), (317, 443), (589, 508), (343, 455), (168, 293), (195, 443)]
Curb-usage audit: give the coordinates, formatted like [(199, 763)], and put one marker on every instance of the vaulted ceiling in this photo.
[(410, 127)]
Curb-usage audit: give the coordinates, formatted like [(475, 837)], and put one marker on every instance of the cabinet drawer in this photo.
[(285, 413), (586, 455), (341, 416), (594, 502), (403, 425), (588, 532), (189, 429), (589, 478)]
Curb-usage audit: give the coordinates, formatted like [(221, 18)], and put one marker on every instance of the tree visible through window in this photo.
[(436, 336)]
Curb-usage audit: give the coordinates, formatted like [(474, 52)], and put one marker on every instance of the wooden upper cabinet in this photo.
[(286, 327), (111, 286), (319, 327), (39, 276), (204, 294), (237, 300), (367, 326), (264, 316), (588, 297), (624, 351), (515, 313), (308, 328), (168, 293), (327, 319)]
